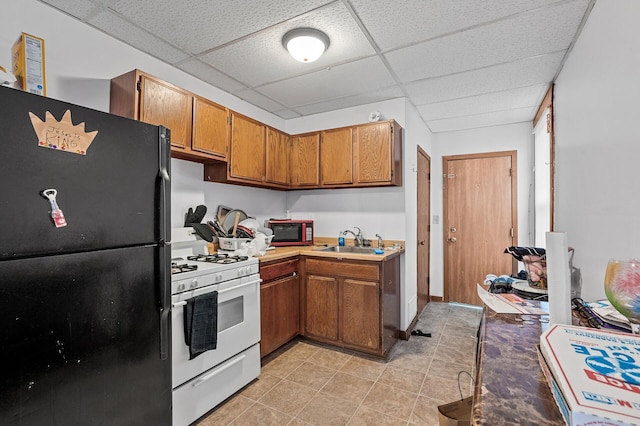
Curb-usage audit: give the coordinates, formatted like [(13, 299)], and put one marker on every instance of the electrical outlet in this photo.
[(436, 219)]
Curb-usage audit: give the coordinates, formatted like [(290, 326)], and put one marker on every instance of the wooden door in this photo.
[(360, 314), (277, 157), (336, 156), (424, 228), (210, 128), (372, 153), (247, 149), (479, 221), (305, 160), (321, 318), (164, 104)]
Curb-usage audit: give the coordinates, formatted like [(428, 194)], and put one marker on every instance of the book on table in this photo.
[(594, 374)]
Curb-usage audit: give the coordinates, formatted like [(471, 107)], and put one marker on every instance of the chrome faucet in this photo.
[(380, 245), (358, 240)]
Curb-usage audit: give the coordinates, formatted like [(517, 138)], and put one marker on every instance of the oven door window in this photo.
[(287, 233), (230, 313)]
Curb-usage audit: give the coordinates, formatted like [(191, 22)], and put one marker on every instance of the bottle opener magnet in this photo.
[(56, 214)]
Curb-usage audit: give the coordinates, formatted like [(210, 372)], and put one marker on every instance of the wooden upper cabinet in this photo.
[(336, 156), (378, 154), (199, 128), (305, 160), (164, 104), (210, 128), (277, 157), (247, 149)]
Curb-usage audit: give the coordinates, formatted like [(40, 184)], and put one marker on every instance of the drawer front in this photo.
[(275, 270), (342, 268)]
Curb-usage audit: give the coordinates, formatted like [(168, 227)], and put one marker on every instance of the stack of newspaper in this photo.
[(594, 374)]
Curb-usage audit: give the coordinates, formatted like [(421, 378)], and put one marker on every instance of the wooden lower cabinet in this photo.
[(352, 304), (279, 304)]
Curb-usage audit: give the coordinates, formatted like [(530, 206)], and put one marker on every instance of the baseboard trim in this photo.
[(436, 298), (404, 335)]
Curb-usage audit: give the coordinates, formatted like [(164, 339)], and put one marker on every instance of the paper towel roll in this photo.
[(558, 278)]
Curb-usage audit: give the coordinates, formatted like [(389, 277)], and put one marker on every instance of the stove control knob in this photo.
[(218, 277), (240, 272), (194, 283), (181, 286)]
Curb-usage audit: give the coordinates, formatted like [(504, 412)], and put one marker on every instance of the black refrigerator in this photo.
[(84, 266)]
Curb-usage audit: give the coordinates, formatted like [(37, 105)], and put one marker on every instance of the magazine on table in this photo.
[(606, 315)]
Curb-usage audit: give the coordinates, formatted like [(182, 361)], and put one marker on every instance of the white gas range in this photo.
[(202, 382)]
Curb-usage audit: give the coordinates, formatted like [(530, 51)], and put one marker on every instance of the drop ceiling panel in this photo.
[(350, 101), (211, 75), (81, 9), (199, 25), (142, 40), (497, 118), (421, 20), (522, 73), (336, 82), (271, 60), (489, 102), (500, 42), (259, 100)]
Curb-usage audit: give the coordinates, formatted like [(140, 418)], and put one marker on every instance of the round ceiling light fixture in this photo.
[(305, 44)]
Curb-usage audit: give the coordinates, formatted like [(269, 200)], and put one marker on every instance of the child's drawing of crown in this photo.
[(62, 135)]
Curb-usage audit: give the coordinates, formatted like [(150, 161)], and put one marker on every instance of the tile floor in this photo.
[(307, 384)]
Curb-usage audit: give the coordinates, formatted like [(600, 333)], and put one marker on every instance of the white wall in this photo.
[(596, 142), (489, 139)]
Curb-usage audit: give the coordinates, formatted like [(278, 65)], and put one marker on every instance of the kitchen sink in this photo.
[(348, 249)]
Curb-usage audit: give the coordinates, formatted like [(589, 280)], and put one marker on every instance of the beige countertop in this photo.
[(284, 252)]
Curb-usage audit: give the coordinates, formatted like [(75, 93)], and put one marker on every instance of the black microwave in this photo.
[(291, 232)]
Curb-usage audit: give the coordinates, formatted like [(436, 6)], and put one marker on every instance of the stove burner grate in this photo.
[(176, 269), (220, 258)]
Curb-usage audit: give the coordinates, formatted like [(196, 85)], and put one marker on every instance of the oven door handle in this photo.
[(235, 287), (211, 375), (184, 302)]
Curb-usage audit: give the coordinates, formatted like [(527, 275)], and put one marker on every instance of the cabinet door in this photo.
[(210, 128), (373, 153), (166, 105), (321, 307), (247, 149), (336, 156), (361, 314), (305, 160), (277, 157), (279, 313)]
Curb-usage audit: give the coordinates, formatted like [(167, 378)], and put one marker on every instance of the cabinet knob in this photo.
[(453, 239)]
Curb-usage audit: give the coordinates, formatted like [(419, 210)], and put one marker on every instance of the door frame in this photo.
[(445, 224), (423, 153)]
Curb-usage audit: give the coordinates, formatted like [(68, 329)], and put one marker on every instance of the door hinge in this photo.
[(379, 291), (229, 165), (428, 228), (380, 341), (230, 120), (139, 85), (510, 172)]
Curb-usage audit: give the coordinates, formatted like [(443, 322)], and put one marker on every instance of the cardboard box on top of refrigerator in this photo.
[(27, 56), (594, 375)]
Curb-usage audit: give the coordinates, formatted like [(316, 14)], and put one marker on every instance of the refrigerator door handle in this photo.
[(164, 166), (165, 307)]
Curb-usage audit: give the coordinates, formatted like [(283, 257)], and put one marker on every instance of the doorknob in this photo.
[(453, 239), (421, 242)]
